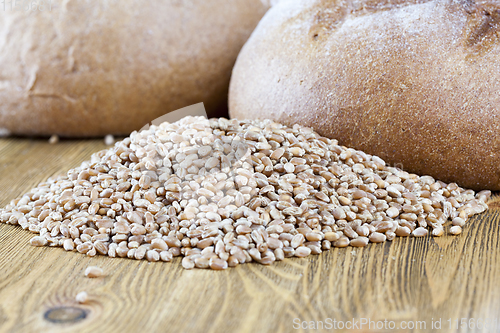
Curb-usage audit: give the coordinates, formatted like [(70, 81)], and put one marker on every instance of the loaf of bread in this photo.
[(415, 82), (90, 68)]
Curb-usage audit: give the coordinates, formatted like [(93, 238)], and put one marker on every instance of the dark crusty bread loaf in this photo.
[(88, 68), (414, 82)]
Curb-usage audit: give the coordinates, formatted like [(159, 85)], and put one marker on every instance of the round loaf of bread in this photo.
[(415, 82), (90, 68)]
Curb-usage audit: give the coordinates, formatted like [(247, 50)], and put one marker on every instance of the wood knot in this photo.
[(65, 315)]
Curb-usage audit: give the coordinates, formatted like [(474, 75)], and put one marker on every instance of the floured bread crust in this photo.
[(90, 68), (414, 82)]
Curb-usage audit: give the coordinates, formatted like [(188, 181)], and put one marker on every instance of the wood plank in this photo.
[(404, 280)]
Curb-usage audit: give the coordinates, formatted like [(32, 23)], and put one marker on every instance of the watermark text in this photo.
[(26, 5), (486, 324)]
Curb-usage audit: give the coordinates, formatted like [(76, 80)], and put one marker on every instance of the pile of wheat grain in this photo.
[(225, 192)]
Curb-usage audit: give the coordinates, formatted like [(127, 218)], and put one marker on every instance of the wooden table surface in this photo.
[(404, 281)]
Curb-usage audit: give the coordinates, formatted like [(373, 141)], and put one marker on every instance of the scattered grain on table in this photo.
[(94, 272), (109, 140), (82, 297), (54, 139), (4, 132)]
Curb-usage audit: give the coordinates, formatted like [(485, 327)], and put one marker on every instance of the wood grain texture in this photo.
[(404, 280)]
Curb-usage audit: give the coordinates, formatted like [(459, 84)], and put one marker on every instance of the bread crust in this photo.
[(90, 68), (414, 82)]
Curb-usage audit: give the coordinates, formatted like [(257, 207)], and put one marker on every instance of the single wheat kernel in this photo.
[(438, 232), (68, 245), (332, 236), (82, 297), (187, 263), (109, 140), (420, 232), (377, 237), (458, 221), (359, 242), (302, 251), (54, 139), (38, 241), (93, 272), (218, 264), (455, 230)]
